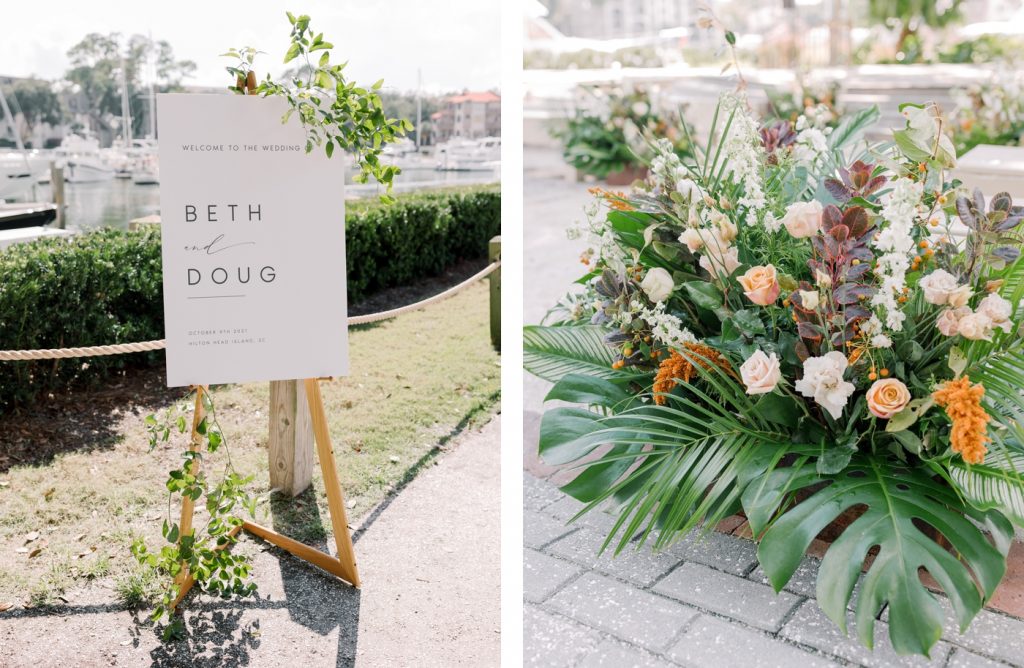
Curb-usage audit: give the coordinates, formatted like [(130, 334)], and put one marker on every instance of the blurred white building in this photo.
[(616, 19)]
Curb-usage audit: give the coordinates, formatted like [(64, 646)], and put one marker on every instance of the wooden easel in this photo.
[(344, 566)]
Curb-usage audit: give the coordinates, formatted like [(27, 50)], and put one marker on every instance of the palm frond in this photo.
[(554, 352)]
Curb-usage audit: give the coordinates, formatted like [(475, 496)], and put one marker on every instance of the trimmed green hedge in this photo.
[(104, 286)]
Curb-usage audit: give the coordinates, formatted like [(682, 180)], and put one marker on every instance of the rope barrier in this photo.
[(145, 346)]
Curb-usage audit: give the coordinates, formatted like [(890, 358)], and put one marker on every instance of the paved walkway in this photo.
[(700, 604), (430, 564)]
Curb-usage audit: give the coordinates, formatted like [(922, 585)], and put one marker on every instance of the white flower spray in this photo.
[(743, 151), (896, 242)]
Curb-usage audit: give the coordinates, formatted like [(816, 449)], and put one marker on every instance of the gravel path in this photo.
[(429, 560)]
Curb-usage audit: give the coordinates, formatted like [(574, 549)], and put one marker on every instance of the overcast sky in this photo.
[(454, 42)]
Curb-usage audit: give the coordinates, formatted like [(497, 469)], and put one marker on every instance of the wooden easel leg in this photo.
[(335, 498), (183, 579), (344, 566)]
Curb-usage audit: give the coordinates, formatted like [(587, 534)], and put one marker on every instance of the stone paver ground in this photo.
[(430, 563), (701, 603)]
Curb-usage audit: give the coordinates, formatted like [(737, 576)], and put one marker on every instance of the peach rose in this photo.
[(760, 373), (998, 310), (887, 397), (948, 321), (760, 285), (940, 287), (720, 262), (692, 238), (975, 326), (803, 219)]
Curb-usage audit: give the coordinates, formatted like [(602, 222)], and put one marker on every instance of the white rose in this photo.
[(803, 219), (823, 380), (692, 238), (760, 373), (658, 284), (809, 299), (688, 189), (975, 326), (715, 261), (940, 288), (998, 310)]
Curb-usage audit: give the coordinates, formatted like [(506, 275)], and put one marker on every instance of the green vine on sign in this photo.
[(202, 553), (334, 112)]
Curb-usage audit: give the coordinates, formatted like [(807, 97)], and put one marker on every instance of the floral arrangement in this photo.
[(806, 337), (815, 100), (605, 135), (989, 113)]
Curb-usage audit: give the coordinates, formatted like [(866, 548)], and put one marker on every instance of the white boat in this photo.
[(146, 172), (82, 161), (20, 171), (141, 156), (459, 155)]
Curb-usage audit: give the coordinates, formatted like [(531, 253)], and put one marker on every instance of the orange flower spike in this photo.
[(962, 402), (677, 367)]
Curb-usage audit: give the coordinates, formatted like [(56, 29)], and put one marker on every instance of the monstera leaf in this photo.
[(900, 505), (554, 352)]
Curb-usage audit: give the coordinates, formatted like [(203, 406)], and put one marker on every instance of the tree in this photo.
[(911, 15), (98, 64), (36, 101)]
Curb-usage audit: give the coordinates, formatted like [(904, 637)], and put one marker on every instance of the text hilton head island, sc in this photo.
[(253, 244)]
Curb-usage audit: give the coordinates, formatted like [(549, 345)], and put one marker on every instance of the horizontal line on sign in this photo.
[(217, 297)]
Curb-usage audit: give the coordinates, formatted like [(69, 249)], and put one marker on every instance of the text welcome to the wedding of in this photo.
[(253, 244)]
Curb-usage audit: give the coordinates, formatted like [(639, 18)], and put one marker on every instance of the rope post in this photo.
[(57, 187), (494, 255), (290, 448)]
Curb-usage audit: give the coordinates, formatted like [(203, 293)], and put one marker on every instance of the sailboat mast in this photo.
[(152, 90), (419, 108), (126, 114), (14, 128)]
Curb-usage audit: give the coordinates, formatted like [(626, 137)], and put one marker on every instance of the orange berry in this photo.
[(855, 262), (929, 253), (924, 243), (872, 376), (884, 372)]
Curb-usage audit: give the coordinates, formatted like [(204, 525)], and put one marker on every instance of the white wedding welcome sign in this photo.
[(253, 244)]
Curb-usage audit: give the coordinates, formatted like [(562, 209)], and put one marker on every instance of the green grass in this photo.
[(415, 382)]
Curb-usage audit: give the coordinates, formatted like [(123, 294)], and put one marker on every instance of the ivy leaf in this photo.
[(749, 322), (293, 52), (704, 294), (908, 440), (909, 415)]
